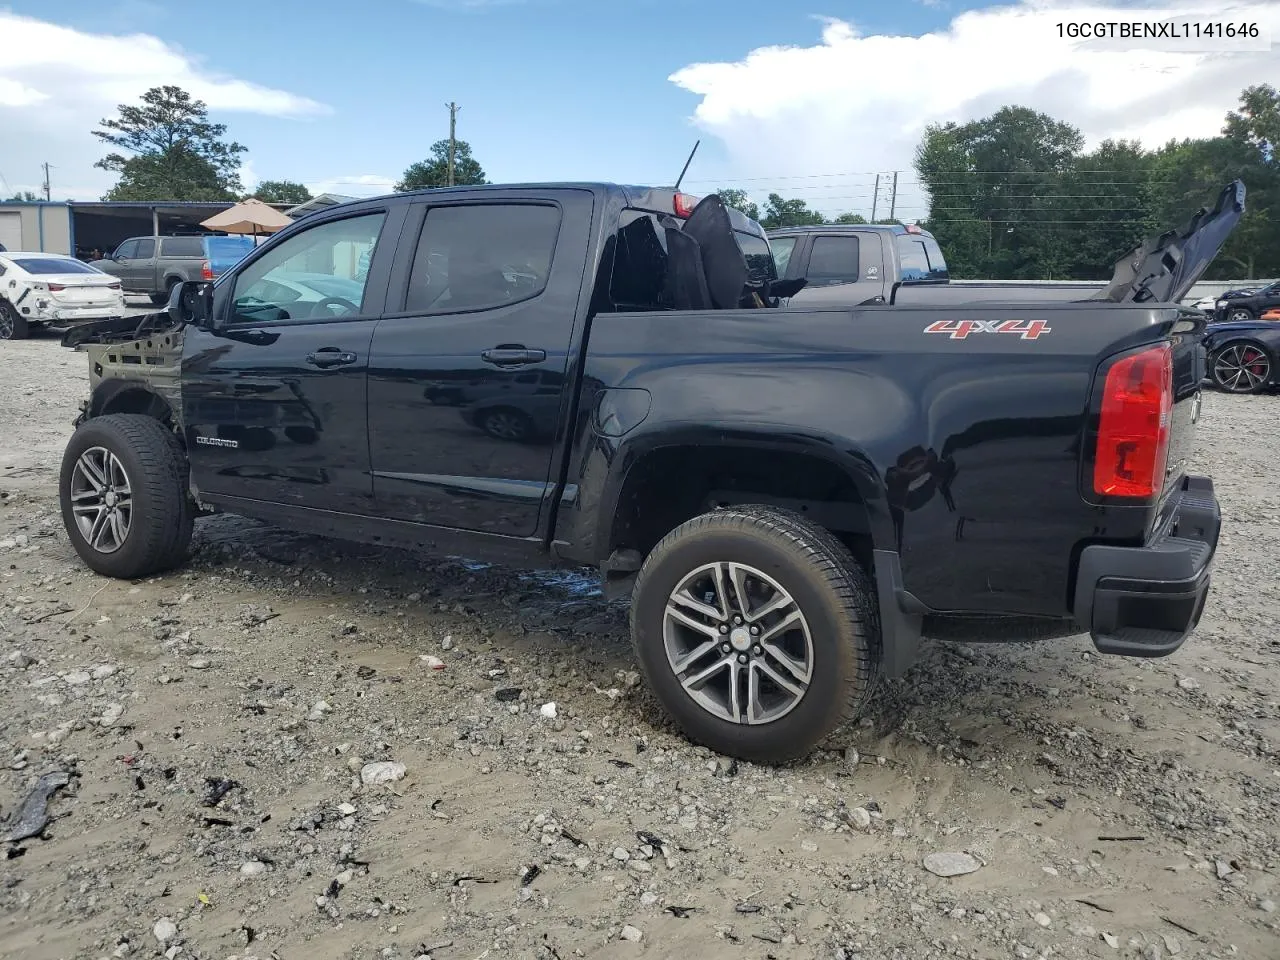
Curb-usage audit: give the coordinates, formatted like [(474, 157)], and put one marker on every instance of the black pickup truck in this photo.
[(588, 374)]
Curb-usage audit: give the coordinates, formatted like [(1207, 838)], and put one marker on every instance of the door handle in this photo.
[(330, 357), (512, 356)]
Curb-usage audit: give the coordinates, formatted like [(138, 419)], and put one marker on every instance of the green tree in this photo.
[(993, 183), (175, 153), (739, 200), (850, 218), (281, 191), (789, 213), (26, 196), (434, 172)]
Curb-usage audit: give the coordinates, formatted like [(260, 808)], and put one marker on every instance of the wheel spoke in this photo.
[(98, 529), (92, 471), (84, 509), (702, 676), (86, 495), (791, 688), (693, 656), (685, 599), (735, 686), (788, 622), (118, 529), (684, 619), (789, 663)]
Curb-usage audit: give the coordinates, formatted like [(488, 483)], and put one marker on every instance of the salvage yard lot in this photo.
[(1117, 807)]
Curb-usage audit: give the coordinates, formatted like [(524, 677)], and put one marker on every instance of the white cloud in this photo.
[(859, 103), (56, 83)]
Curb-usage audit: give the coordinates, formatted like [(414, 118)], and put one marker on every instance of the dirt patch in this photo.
[(222, 723)]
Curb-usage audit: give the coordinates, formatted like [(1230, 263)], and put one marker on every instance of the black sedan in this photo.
[(1243, 356), (1248, 307)]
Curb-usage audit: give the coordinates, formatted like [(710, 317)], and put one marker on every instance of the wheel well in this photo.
[(673, 484), (132, 400)]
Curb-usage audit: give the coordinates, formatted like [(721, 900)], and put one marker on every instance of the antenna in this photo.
[(686, 164)]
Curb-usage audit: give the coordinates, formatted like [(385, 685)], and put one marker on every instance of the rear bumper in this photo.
[(1145, 601)]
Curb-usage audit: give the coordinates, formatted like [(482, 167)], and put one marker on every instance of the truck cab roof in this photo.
[(897, 229)]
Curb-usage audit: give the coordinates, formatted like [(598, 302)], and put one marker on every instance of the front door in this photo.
[(275, 399), (467, 379), (124, 264)]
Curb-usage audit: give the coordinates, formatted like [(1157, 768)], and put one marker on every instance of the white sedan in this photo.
[(53, 291)]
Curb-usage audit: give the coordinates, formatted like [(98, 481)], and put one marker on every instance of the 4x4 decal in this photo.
[(959, 329)]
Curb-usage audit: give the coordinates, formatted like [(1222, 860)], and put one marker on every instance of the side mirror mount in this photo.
[(191, 302)]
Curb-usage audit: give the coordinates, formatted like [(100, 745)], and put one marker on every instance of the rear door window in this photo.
[(182, 247), (921, 258), (833, 258), (482, 256)]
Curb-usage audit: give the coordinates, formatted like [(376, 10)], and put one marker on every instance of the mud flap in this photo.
[(900, 631)]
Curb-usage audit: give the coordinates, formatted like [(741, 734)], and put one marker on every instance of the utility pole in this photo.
[(453, 137), (875, 199), (46, 180), (893, 201)]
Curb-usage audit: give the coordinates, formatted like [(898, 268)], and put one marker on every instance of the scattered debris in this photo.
[(215, 788), (951, 864), (32, 816), (382, 771)]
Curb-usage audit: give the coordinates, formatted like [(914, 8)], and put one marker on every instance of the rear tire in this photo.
[(162, 299), (13, 325), (1240, 366), (823, 642), (123, 491)]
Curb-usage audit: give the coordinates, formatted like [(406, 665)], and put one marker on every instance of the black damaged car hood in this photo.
[(1164, 270)]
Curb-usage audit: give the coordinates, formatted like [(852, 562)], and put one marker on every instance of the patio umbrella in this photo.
[(248, 216)]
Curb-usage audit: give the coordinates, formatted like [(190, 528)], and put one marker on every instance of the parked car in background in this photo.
[(50, 290), (1239, 306), (1243, 356), (863, 260), (155, 265)]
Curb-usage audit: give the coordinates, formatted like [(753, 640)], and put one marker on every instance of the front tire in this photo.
[(757, 630), (123, 492), (1239, 315), (13, 325)]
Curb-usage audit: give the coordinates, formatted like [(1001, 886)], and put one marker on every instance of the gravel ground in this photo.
[(294, 748)]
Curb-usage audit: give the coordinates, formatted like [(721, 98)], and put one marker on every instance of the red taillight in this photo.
[(914, 228), (57, 287), (113, 286), (684, 204), (1133, 433), (206, 271)]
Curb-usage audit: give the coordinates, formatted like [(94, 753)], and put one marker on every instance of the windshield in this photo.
[(760, 264), (53, 265), (782, 247)]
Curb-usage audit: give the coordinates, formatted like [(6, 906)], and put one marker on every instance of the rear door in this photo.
[(142, 268), (274, 401), (469, 371)]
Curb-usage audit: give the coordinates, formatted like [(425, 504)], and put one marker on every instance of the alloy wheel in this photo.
[(505, 425), (6, 322), (738, 643), (1241, 368), (101, 500), (1241, 316)]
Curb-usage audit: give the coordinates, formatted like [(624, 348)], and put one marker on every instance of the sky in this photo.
[(808, 98)]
